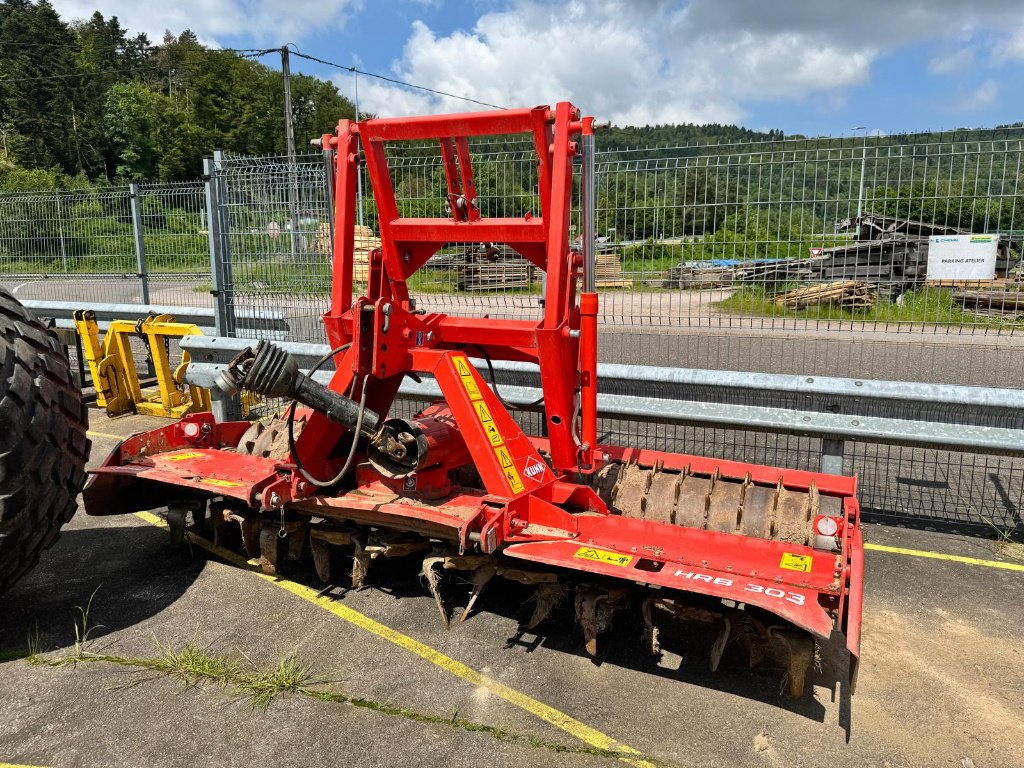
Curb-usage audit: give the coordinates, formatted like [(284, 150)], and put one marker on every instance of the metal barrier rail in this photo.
[(945, 417), (268, 323)]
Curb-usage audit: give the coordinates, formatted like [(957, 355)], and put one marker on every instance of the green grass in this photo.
[(193, 666), (925, 306)]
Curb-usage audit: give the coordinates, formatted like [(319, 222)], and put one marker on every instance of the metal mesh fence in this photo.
[(87, 246), (68, 245), (805, 256), (176, 243)]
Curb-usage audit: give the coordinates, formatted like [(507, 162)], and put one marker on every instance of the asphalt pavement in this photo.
[(940, 684)]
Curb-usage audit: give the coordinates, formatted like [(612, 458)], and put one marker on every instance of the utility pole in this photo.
[(289, 136), (289, 126)]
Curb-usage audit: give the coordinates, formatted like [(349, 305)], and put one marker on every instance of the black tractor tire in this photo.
[(43, 443)]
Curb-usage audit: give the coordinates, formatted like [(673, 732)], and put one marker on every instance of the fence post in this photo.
[(60, 233), (329, 189), (135, 205), (224, 408)]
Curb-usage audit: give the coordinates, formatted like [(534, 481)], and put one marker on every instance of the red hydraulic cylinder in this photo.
[(588, 377)]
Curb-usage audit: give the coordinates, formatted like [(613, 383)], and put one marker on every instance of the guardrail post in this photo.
[(135, 205), (832, 456), (224, 408), (220, 265)]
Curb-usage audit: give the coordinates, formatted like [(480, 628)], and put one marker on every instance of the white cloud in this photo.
[(266, 21), (951, 63), (646, 61), (981, 97)]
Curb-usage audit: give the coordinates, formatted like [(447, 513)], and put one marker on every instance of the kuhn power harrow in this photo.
[(766, 559)]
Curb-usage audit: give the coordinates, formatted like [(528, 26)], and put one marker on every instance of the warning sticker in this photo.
[(465, 371), (219, 483), (796, 562), (183, 456), (515, 482), (603, 556), (483, 415)]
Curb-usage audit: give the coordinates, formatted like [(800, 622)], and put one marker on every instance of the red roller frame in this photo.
[(528, 508)]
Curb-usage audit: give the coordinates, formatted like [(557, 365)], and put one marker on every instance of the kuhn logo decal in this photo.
[(535, 469)]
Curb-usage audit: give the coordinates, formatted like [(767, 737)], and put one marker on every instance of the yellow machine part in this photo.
[(112, 366)]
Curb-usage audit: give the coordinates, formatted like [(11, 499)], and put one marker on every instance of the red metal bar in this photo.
[(468, 124), (346, 170)]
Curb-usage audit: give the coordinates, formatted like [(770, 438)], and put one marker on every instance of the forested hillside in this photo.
[(90, 99)]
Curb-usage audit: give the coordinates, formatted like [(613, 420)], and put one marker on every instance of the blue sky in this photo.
[(805, 66)]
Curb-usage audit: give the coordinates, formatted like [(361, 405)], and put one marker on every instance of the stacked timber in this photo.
[(608, 271), (496, 276), (848, 294), (697, 275), (991, 302), (364, 242), (773, 271)]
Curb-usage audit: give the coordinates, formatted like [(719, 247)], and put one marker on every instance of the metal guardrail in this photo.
[(267, 323), (946, 417)]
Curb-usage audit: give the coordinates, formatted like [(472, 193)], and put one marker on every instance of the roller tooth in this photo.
[(800, 651), (251, 528), (322, 553), (547, 597), (431, 574), (176, 522), (360, 564), (718, 647), (270, 549), (478, 580), (586, 614)]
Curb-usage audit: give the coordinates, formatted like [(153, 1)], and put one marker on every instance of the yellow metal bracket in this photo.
[(112, 366)]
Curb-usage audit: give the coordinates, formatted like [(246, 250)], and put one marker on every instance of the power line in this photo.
[(77, 74), (358, 71)]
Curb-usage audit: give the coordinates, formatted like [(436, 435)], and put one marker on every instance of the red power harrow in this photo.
[(763, 558)]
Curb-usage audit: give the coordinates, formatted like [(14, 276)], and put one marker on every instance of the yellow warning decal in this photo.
[(219, 483), (483, 415), (465, 371), (796, 562), (183, 456), (603, 556), (515, 482)]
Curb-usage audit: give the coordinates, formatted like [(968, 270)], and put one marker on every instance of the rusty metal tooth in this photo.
[(322, 553), (360, 563), (176, 522), (478, 580), (718, 647), (595, 610), (547, 596), (430, 573), (800, 655), (270, 549), (250, 527)]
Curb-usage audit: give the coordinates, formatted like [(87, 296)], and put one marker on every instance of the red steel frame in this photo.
[(528, 508)]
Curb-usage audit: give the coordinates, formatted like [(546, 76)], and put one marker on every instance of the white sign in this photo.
[(962, 257)]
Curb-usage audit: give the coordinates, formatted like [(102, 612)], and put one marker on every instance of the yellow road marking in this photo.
[(18, 765), (560, 720), (94, 433), (941, 556)]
